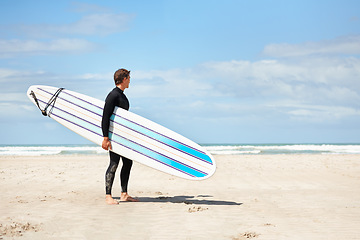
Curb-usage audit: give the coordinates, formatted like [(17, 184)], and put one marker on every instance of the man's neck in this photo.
[(121, 87)]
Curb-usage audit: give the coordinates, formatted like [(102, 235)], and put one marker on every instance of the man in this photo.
[(116, 98)]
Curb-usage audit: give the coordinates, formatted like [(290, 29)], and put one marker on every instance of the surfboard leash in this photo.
[(51, 102)]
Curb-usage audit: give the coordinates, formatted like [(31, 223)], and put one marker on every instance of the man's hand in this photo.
[(106, 144)]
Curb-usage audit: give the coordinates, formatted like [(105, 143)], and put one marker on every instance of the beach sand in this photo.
[(249, 197)]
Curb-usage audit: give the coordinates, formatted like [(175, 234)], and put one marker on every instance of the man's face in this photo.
[(127, 82)]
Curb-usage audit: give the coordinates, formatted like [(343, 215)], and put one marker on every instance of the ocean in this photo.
[(215, 149)]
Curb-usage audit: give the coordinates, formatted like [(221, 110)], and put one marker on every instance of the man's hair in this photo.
[(120, 74)]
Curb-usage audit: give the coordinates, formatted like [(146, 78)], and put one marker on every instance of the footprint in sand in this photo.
[(196, 209)]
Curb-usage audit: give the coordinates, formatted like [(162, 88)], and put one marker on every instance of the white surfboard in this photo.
[(131, 135)]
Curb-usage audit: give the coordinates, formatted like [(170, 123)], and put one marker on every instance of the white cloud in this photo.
[(308, 88), (12, 78), (10, 48), (87, 7), (99, 24), (6, 73), (95, 24), (173, 83), (320, 113), (310, 79), (348, 45), (266, 86), (96, 76), (63, 38), (12, 97)]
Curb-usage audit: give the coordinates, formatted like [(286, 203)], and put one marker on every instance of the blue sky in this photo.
[(214, 71)]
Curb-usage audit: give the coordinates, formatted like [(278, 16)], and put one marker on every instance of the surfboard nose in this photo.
[(32, 88), (29, 91)]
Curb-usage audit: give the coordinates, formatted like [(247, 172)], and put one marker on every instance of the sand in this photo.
[(249, 197)]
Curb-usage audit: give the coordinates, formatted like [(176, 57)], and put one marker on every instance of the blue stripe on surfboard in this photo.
[(137, 148), (168, 161), (157, 156), (171, 142), (122, 145), (160, 138), (148, 129), (145, 131), (149, 132), (124, 122), (166, 137)]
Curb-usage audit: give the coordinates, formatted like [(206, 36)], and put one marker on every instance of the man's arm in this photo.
[(105, 122)]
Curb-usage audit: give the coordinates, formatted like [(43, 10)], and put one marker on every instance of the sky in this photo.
[(214, 71)]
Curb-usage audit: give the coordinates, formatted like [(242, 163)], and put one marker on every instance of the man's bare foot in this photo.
[(109, 200), (126, 198)]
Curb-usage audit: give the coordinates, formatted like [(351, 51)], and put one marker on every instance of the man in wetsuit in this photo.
[(116, 98)]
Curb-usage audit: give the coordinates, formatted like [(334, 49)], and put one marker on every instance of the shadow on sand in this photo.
[(187, 200)]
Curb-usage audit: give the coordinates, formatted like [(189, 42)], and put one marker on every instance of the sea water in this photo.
[(235, 149), (224, 149), (38, 150)]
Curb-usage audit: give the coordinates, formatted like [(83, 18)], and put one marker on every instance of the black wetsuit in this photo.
[(116, 98)]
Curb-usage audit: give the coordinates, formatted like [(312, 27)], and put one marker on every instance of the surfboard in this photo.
[(131, 135)]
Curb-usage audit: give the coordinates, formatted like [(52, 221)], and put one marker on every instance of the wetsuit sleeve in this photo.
[(108, 111)]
